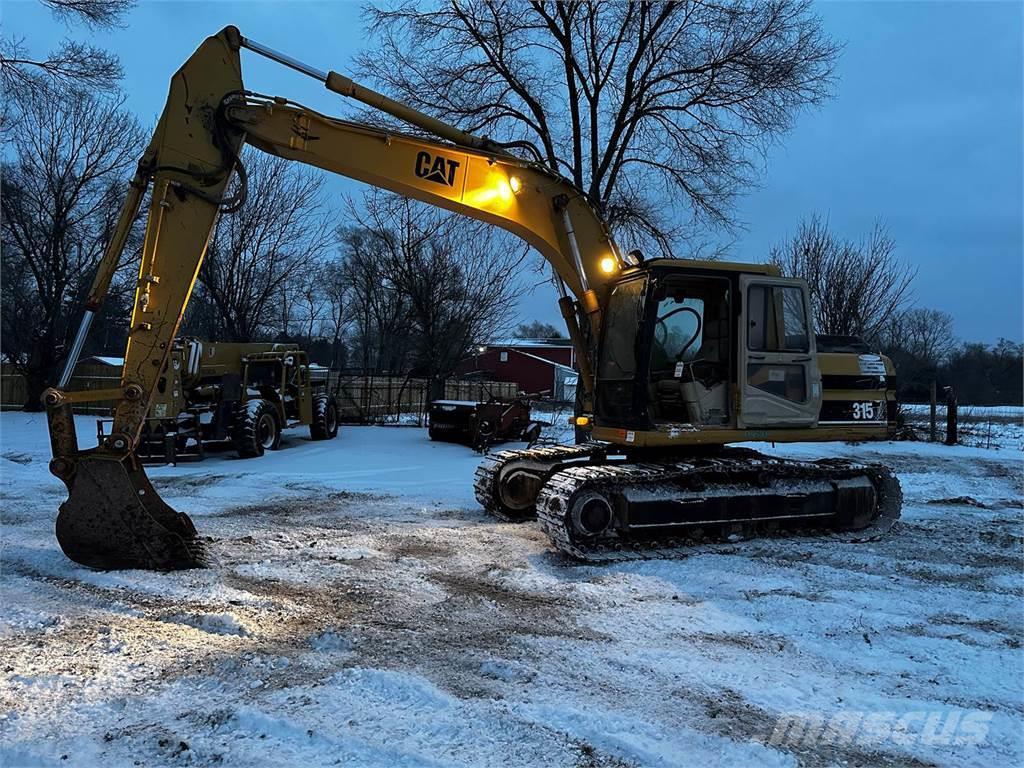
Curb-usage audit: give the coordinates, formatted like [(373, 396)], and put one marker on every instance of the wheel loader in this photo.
[(679, 360), (245, 394)]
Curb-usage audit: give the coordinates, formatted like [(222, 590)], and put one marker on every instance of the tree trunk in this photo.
[(39, 372), (435, 388), (36, 383)]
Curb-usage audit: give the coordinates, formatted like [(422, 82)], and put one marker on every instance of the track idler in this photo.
[(114, 518)]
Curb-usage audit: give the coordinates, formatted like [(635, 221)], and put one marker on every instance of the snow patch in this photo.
[(214, 623), (507, 671), (331, 641)]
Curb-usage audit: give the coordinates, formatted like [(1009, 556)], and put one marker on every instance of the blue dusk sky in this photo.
[(924, 132)]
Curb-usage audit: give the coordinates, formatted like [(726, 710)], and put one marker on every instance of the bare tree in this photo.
[(925, 333), (855, 287), (61, 195), (377, 311), (310, 303), (260, 255), (919, 342), (336, 312), (538, 330), (454, 277), (73, 64), (653, 109), (96, 14)]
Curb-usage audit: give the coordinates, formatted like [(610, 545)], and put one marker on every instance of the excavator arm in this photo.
[(113, 517)]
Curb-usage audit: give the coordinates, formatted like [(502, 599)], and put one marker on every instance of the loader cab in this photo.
[(281, 377), (698, 346)]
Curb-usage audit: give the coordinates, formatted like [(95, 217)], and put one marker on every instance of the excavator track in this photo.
[(543, 462), (756, 482)]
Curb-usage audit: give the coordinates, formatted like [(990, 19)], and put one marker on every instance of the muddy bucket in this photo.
[(114, 519)]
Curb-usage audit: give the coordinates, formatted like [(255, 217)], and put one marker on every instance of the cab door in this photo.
[(780, 382)]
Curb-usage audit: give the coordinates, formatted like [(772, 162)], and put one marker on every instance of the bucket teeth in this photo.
[(114, 519)]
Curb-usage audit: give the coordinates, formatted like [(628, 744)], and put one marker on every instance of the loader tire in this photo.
[(325, 418), (257, 429)]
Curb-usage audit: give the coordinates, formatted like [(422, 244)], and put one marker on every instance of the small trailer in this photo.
[(482, 424)]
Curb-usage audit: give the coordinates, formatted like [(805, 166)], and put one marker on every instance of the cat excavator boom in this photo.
[(667, 349)]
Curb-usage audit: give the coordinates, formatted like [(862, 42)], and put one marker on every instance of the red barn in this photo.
[(535, 365)]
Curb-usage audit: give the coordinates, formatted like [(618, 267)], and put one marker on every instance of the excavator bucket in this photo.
[(114, 519)]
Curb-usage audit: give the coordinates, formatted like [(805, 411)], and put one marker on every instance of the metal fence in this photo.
[(376, 399), (994, 426), (360, 399)]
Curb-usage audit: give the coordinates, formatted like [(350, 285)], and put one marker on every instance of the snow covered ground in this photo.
[(363, 611)]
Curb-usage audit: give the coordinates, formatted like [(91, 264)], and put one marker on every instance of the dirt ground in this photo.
[(359, 627)]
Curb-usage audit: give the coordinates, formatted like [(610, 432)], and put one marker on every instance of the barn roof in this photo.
[(541, 343), (545, 360)]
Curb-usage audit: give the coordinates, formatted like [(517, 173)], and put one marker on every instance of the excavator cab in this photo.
[(692, 347), (692, 357)]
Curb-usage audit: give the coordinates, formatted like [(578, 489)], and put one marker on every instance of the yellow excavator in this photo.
[(678, 359)]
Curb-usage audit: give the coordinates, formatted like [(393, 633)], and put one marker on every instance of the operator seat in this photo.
[(700, 395)]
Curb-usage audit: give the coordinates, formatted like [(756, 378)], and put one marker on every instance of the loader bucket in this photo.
[(114, 519)]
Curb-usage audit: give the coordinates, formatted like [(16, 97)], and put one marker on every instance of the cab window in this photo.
[(622, 321), (617, 365), (777, 320), (678, 331)]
